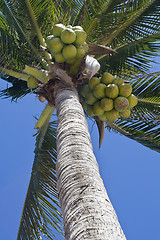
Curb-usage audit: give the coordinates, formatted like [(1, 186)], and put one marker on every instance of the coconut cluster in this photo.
[(108, 97), (67, 43)]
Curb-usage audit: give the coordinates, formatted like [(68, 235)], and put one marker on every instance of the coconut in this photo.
[(118, 81), (59, 58), (107, 78), (90, 111), (32, 82), (57, 29), (54, 44), (69, 26), (80, 37), (85, 47), (107, 104), (97, 109), (77, 28), (125, 89), (93, 82), (112, 115), (90, 98), (111, 91), (99, 90), (71, 60), (133, 100), (68, 36), (84, 90), (69, 51), (80, 52), (121, 104), (125, 114), (103, 117)]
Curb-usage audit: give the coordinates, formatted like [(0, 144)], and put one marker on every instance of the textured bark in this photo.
[(86, 208)]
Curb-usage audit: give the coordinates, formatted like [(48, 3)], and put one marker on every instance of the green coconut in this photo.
[(125, 114), (112, 115), (71, 60), (90, 98), (107, 104), (107, 78), (133, 100), (69, 26), (99, 90), (54, 44), (85, 90), (69, 51), (97, 109), (111, 91), (77, 28), (59, 57), (80, 52), (80, 37), (85, 47), (68, 36), (103, 117), (32, 82), (121, 103), (90, 111), (118, 81), (125, 89), (57, 29), (93, 82)]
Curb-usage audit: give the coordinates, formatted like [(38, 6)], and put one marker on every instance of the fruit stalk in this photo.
[(41, 76), (75, 67), (12, 73), (48, 110)]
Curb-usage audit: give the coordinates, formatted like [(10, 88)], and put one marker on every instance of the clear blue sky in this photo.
[(130, 171)]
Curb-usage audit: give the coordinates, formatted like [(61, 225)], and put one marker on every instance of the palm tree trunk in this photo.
[(86, 209)]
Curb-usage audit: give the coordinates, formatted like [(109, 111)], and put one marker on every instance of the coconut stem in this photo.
[(42, 77), (12, 73), (48, 110)]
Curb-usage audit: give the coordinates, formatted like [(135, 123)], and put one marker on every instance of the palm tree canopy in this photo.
[(131, 28)]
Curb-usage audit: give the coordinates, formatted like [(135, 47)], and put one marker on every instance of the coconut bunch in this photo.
[(67, 44), (108, 97)]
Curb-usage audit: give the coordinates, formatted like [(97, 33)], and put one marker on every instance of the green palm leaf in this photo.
[(147, 85), (41, 208), (130, 21), (136, 56), (146, 132), (18, 89), (135, 41)]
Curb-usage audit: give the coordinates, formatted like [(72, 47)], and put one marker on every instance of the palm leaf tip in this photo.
[(41, 213)]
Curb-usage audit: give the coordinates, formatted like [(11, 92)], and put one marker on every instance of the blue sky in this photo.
[(130, 171)]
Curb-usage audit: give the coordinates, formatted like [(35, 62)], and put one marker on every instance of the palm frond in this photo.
[(19, 39), (41, 208), (18, 89), (130, 21), (137, 56), (146, 132), (147, 110), (18, 43), (147, 85), (147, 88)]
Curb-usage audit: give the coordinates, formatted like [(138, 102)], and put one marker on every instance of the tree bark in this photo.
[(86, 209)]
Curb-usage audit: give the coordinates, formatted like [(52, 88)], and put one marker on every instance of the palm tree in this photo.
[(131, 28)]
